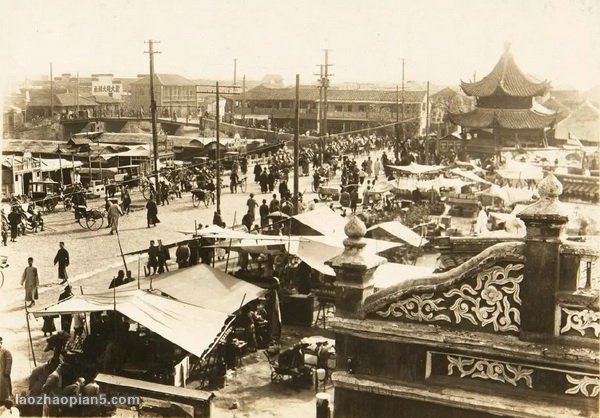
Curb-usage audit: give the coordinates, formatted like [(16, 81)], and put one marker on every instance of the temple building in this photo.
[(506, 115)]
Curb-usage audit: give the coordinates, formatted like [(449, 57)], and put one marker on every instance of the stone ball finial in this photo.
[(355, 228), (550, 187)]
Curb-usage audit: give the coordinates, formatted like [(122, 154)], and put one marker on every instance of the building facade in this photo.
[(173, 93), (346, 109), (505, 115)]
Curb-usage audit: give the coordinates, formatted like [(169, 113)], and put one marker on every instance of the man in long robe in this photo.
[(114, 213), (62, 258), (31, 281), (5, 369)]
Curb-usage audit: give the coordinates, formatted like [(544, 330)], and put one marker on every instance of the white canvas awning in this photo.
[(416, 169), (322, 220), (469, 175), (400, 231), (190, 327)]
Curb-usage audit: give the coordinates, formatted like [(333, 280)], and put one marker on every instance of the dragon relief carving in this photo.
[(493, 300), (581, 386), (580, 321), (490, 370)]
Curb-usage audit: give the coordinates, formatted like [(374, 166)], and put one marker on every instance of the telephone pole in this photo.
[(216, 92), (151, 53), (243, 100), (234, 71), (77, 95), (51, 93), (403, 126), (396, 146), (427, 128), (296, 145), (323, 86)]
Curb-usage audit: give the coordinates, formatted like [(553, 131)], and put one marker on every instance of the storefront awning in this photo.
[(400, 231)]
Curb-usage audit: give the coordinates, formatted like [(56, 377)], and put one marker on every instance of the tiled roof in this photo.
[(11, 146), (506, 78), (104, 99), (311, 93), (166, 80), (502, 118)]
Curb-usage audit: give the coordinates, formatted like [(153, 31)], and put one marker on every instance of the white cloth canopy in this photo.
[(214, 231), (322, 220), (469, 175), (414, 168), (400, 231), (515, 170), (190, 327)]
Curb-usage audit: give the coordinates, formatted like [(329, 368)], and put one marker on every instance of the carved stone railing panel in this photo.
[(490, 370), (487, 300), (579, 321), (588, 386)]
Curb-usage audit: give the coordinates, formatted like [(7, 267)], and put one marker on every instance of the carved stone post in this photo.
[(544, 221), (354, 272)]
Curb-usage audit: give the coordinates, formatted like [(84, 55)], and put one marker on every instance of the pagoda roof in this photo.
[(506, 78), (481, 118)]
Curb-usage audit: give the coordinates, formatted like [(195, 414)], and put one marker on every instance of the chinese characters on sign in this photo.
[(114, 88)]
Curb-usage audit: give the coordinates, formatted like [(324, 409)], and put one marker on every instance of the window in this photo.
[(339, 108), (349, 108), (362, 108)]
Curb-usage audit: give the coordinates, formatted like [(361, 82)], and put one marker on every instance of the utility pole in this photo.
[(234, 71), (427, 128), (151, 53), (51, 93), (396, 146), (297, 145), (323, 86), (77, 95), (216, 91), (243, 100), (320, 106), (403, 125)]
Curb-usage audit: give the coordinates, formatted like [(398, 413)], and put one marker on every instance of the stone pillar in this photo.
[(354, 272), (544, 221)]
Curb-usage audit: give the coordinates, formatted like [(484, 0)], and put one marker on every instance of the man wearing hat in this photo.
[(5, 368), (62, 258)]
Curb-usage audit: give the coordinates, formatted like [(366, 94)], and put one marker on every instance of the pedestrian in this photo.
[(114, 213), (264, 212), (274, 205), (182, 255), (125, 200), (151, 213), (5, 369), (14, 219), (283, 189), (31, 281), (194, 252), (152, 258), (271, 181), (376, 168), (5, 228), (369, 167), (247, 221), (117, 281), (62, 258), (252, 205), (233, 181), (257, 172), (65, 319), (264, 181), (48, 327), (162, 256), (354, 199)]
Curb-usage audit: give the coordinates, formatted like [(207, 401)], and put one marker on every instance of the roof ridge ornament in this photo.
[(355, 230), (550, 187)]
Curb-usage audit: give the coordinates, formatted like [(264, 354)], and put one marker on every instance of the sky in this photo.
[(441, 41)]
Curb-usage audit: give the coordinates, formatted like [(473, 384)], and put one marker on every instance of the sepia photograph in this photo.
[(312, 209)]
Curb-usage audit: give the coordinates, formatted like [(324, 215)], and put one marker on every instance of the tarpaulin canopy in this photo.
[(400, 231), (316, 250), (322, 220), (469, 175), (216, 232), (515, 170), (390, 274), (414, 168), (204, 287), (190, 327)]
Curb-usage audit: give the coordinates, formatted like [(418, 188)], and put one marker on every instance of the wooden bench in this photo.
[(200, 401)]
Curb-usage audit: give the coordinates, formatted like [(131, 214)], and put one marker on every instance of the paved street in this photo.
[(94, 252)]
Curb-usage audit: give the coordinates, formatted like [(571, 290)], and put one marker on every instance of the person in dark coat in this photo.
[(65, 319), (274, 205), (264, 182), (263, 211), (283, 189), (151, 213), (117, 281), (5, 369), (14, 219), (48, 327), (257, 172), (62, 258), (182, 254), (152, 257), (163, 256), (271, 181), (194, 252)]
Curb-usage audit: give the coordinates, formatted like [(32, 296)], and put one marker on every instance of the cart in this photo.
[(92, 219), (327, 192), (201, 195), (45, 194)]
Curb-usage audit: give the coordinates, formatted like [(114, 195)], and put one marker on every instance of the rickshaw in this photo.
[(45, 193), (202, 195)]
